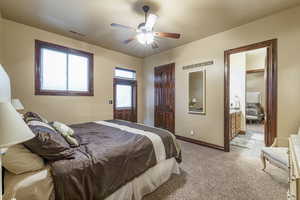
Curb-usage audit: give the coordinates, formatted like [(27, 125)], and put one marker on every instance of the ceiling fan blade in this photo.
[(129, 40), (122, 26), (154, 46), (167, 35), (151, 20)]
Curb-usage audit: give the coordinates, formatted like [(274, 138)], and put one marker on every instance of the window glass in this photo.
[(123, 93), (54, 70), (122, 73), (63, 71), (78, 73)]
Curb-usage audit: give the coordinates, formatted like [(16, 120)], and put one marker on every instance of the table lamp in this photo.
[(13, 130)]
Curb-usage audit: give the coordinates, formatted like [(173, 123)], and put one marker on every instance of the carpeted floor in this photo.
[(209, 174)]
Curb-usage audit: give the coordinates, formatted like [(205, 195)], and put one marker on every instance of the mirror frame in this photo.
[(204, 91)]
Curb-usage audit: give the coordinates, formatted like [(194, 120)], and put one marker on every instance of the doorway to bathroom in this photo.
[(250, 96)]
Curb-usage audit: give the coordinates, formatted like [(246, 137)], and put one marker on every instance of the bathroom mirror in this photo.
[(196, 92)]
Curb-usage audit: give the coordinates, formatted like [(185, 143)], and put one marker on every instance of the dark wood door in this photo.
[(164, 113), (125, 104)]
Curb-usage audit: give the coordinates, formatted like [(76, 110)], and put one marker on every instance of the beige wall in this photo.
[(238, 84), (1, 39), (255, 82), (285, 26), (19, 63)]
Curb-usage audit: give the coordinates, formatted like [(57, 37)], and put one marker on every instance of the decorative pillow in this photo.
[(31, 116), (62, 128), (18, 159), (48, 143), (66, 132), (72, 141)]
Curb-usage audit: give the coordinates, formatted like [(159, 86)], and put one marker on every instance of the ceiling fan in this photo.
[(145, 34)]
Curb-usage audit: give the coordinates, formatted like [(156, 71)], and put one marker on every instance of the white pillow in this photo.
[(299, 131), (18, 159), (63, 129), (66, 132)]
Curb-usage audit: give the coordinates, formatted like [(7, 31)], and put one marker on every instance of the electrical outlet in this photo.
[(192, 132)]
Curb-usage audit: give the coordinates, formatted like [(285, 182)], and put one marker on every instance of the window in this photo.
[(124, 96), (125, 73), (125, 89), (62, 71)]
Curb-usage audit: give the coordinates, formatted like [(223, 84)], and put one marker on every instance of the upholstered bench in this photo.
[(277, 154)]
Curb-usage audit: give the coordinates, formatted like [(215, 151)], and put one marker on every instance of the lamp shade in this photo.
[(13, 129), (17, 104)]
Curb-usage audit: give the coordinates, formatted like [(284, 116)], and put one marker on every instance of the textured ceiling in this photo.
[(194, 19)]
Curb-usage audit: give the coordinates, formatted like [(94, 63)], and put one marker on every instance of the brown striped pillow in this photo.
[(31, 116), (48, 143)]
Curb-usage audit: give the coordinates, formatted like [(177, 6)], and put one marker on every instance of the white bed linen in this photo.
[(36, 185), (39, 185)]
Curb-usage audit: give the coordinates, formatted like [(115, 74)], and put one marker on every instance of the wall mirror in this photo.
[(197, 92)]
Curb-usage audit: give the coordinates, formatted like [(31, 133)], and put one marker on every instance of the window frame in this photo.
[(39, 45), (124, 69)]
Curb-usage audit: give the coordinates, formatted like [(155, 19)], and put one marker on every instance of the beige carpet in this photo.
[(209, 174)]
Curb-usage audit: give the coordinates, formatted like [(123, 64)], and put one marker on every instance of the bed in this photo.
[(114, 160)]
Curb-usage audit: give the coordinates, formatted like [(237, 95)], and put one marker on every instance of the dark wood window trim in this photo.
[(38, 91), (271, 90)]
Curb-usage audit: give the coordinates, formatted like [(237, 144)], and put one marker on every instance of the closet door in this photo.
[(164, 112)]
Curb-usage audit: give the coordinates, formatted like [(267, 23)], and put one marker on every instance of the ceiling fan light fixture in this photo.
[(151, 20), (145, 38), (144, 32)]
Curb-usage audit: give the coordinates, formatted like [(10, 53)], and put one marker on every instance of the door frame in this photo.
[(134, 95), (270, 85), (155, 101)]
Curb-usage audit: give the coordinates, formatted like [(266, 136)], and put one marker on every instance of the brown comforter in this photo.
[(107, 159)]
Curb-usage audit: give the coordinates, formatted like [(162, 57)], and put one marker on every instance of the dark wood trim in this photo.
[(2, 179), (271, 90), (200, 142), (250, 71), (134, 97), (38, 91)]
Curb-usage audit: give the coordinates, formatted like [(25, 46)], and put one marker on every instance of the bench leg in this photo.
[(263, 159)]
